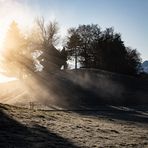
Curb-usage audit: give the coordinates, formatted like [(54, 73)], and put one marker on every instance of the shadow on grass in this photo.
[(136, 114), (15, 135), (85, 101)]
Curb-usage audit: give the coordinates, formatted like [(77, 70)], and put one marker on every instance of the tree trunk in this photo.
[(76, 59)]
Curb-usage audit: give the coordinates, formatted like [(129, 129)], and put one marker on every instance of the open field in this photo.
[(89, 109), (103, 127)]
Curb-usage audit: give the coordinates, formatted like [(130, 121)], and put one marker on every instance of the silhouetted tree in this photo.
[(102, 49), (47, 37), (133, 61), (117, 57), (89, 34), (113, 50), (89, 45), (73, 45), (64, 55)]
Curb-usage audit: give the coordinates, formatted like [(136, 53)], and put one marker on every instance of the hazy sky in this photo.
[(129, 17)]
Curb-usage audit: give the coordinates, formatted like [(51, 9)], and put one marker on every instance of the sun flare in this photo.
[(4, 26), (4, 79), (12, 11)]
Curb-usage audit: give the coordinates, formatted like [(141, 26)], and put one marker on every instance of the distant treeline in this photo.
[(90, 46)]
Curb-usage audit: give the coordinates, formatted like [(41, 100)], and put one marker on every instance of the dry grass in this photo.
[(111, 127)]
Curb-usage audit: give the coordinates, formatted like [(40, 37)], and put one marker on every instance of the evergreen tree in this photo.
[(74, 45), (17, 60)]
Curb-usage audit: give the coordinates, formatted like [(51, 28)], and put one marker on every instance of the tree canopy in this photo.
[(51, 59), (102, 50), (91, 46)]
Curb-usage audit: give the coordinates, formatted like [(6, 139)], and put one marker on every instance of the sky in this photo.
[(128, 17)]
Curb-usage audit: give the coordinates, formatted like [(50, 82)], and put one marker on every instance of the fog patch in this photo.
[(72, 89)]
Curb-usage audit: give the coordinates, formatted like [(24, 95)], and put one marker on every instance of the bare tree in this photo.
[(48, 32)]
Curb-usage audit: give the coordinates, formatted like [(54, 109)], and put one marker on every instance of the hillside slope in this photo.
[(77, 88), (103, 127)]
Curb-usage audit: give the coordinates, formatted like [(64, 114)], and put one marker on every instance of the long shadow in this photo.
[(134, 114), (84, 99), (15, 135), (97, 90), (72, 95)]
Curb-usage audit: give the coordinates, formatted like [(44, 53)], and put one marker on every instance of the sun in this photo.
[(4, 79), (19, 12)]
